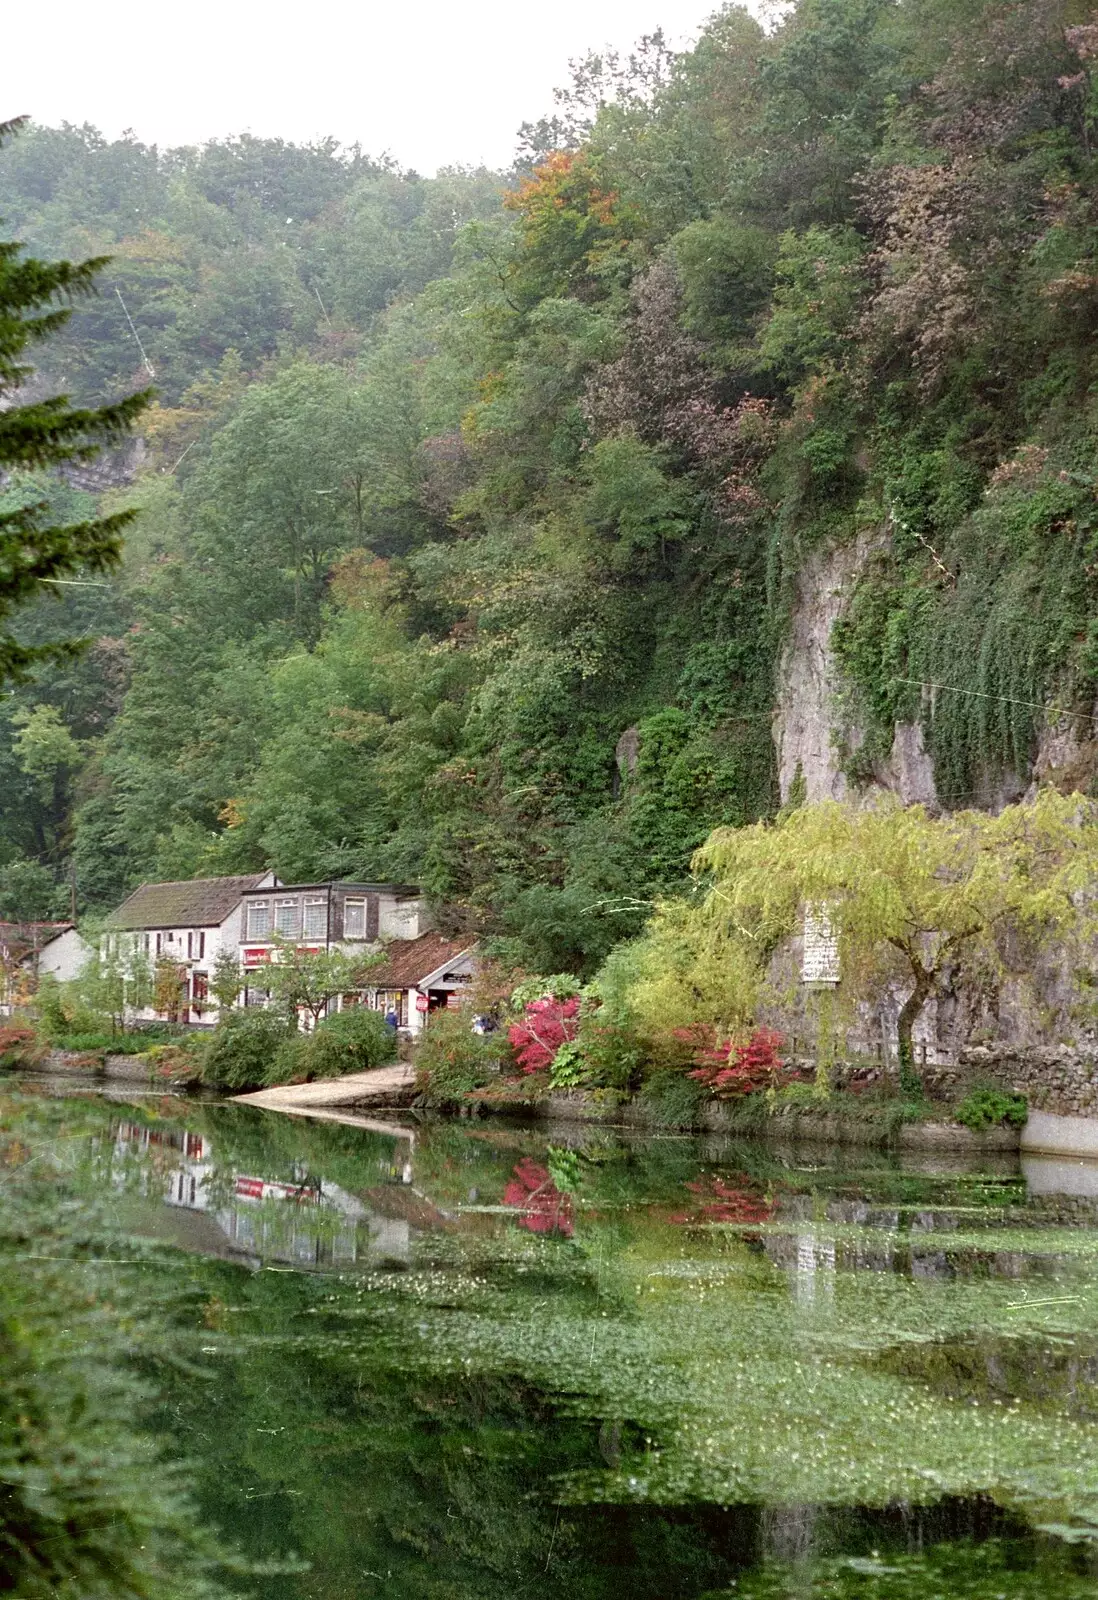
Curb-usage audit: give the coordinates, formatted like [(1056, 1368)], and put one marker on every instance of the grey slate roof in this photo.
[(197, 903)]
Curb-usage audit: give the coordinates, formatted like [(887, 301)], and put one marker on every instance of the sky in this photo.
[(430, 82)]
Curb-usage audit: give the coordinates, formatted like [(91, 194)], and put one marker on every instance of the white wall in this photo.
[(63, 957), (402, 919)]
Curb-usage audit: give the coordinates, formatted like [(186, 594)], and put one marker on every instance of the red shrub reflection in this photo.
[(718, 1201), (544, 1208)]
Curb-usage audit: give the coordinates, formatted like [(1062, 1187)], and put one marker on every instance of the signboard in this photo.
[(422, 1002), (820, 962)]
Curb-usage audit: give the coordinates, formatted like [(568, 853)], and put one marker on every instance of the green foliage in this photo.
[(350, 1041), (908, 898), (727, 272), (815, 301), (29, 892), (226, 980), (452, 1060), (673, 1100), (560, 986), (300, 979), (243, 1048), (48, 432), (991, 1108), (91, 1506), (569, 1069)]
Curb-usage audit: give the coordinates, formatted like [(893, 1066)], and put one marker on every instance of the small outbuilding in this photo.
[(421, 975)]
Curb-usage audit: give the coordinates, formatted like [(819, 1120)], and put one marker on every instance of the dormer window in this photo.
[(259, 919)]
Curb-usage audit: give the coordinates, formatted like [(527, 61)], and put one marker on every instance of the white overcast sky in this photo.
[(433, 83)]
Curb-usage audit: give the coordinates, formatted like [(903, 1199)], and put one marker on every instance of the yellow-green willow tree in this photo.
[(908, 895)]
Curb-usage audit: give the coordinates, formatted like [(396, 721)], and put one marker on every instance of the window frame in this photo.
[(359, 905), (319, 904), (291, 904), (255, 907)]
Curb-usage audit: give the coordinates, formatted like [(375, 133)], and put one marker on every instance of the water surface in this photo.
[(463, 1361)]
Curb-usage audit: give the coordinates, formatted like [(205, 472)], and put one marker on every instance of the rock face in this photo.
[(1067, 751), (815, 724), (1038, 1033), (910, 771), (809, 686), (626, 752)]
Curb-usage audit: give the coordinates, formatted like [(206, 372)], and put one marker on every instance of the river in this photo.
[(477, 1360)]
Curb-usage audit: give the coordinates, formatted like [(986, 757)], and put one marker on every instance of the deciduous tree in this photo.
[(909, 896)]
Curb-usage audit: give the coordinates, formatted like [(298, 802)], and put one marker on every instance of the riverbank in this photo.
[(844, 1119), (393, 1086)]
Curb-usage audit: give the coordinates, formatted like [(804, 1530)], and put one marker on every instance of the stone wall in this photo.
[(1062, 1079)]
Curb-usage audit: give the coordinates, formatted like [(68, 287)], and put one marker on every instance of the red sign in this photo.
[(422, 1002), (256, 958)]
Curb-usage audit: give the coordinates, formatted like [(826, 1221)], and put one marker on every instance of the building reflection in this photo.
[(304, 1220)]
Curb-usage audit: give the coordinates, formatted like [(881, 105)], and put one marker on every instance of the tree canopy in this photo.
[(474, 507), (908, 896)]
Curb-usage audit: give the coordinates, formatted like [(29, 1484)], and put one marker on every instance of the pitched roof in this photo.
[(409, 961), (197, 903), (19, 937)]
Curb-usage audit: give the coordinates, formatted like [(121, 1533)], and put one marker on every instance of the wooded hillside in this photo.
[(453, 481)]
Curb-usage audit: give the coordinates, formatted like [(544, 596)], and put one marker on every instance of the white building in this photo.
[(189, 924), (61, 957), (30, 948)]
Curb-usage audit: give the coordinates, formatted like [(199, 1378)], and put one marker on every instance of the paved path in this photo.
[(384, 1086)]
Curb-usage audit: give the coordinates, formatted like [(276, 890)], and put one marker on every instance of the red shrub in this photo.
[(731, 1069), (18, 1045), (545, 1026)]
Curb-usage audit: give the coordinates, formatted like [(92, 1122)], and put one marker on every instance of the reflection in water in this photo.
[(543, 1208), (305, 1219), (650, 1367)]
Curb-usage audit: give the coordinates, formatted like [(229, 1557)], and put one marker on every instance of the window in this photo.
[(354, 919), (288, 918), (196, 945), (316, 919), (145, 943), (159, 942), (200, 987), (259, 919)]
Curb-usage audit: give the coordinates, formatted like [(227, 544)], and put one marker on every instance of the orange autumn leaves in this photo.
[(572, 229)]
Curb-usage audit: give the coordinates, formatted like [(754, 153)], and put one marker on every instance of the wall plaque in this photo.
[(820, 963)]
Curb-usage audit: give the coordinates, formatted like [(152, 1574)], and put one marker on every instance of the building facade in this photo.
[(422, 971), (189, 925)]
